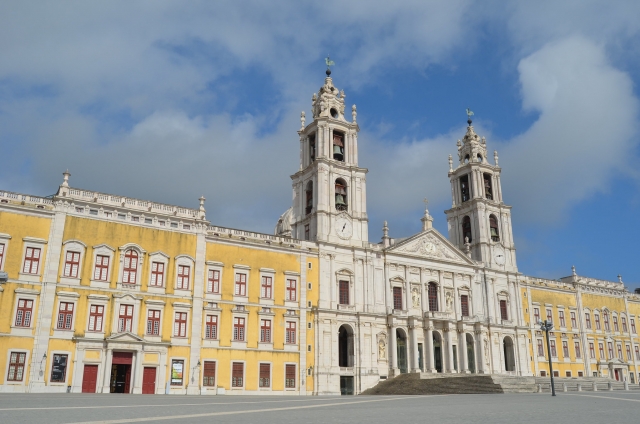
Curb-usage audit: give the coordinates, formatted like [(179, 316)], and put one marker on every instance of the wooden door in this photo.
[(89, 378), (127, 379), (149, 380)]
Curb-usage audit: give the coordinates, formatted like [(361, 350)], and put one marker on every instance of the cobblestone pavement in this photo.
[(585, 408)]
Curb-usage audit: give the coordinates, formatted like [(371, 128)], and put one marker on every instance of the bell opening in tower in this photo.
[(464, 188), (488, 189), (312, 148), (466, 230), (309, 196), (341, 195), (338, 146), (493, 226)]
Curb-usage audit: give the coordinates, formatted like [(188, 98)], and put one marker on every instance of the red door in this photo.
[(89, 378), (617, 374), (149, 381), (127, 379)]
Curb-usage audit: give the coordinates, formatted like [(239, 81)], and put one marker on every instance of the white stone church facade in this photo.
[(425, 303)]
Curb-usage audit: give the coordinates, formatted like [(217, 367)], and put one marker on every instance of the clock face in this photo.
[(344, 229), (499, 256)]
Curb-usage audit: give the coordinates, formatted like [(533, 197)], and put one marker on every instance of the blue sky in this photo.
[(167, 101)]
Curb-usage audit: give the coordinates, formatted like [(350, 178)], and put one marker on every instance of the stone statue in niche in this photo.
[(382, 349), (415, 297), (449, 300)]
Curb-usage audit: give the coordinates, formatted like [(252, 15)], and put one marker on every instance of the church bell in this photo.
[(337, 152)]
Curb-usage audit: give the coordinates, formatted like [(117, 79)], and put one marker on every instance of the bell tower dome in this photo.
[(478, 218), (329, 189)]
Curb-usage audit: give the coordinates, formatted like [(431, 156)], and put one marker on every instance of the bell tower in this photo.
[(479, 222), (329, 189)]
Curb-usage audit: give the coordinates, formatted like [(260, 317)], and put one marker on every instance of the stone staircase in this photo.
[(436, 384), (582, 384)]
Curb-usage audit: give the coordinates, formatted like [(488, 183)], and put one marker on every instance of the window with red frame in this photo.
[(16, 366), (153, 322), (290, 334), (565, 349), (101, 271), (587, 319), (554, 353), (597, 318), (266, 290), (624, 324), (72, 264), (344, 292), (290, 376), (592, 351), (265, 375), (24, 313), (616, 328), (31, 260), (610, 348), (397, 298), (605, 318), (237, 374), (632, 322), (619, 351), (157, 274), (433, 296), (306, 232), (213, 281), (576, 345), (238, 329), (637, 353), (1, 254), (209, 373), (503, 310), (211, 327), (540, 348), (265, 331), (629, 358), (183, 277), (180, 325), (561, 318), (549, 316), (125, 318), (291, 290), (96, 313), (464, 305), (536, 315), (241, 285), (601, 351), (130, 269), (65, 316), (574, 323)]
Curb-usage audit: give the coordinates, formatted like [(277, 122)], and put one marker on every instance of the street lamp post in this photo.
[(547, 326)]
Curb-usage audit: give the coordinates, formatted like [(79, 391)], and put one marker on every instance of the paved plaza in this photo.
[(585, 408)]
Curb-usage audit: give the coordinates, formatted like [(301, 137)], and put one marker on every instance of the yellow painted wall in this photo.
[(19, 226)]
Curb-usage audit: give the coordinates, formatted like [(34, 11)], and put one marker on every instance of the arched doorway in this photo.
[(509, 358), (471, 357), (401, 343), (345, 358), (437, 351)]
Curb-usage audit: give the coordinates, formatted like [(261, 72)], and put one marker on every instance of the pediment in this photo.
[(125, 338), (431, 244)]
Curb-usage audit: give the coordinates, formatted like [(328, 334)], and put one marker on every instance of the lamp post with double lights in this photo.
[(547, 326)]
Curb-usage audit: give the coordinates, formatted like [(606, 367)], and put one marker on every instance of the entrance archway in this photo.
[(345, 346), (509, 357), (471, 357), (437, 351), (401, 343)]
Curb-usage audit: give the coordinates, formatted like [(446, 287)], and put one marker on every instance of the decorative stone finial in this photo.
[(354, 113), (302, 119), (484, 141), (467, 247), (329, 63), (385, 235), (619, 278), (427, 220), (65, 182), (495, 157), (202, 199), (573, 270), (450, 163), (469, 115), (459, 144)]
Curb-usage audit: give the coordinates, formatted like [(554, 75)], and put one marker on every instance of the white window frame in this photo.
[(183, 308), (36, 243), (162, 258), (465, 291), (126, 299), (503, 295), (4, 239), (211, 309), (184, 260), (66, 297), (213, 266), (284, 377), (26, 294), (238, 344), (262, 314), (141, 253), (289, 316), (241, 269), (98, 300), (102, 250), (270, 273), (244, 375), (73, 246), (49, 367), (156, 305), (292, 275), (270, 388), (27, 367)]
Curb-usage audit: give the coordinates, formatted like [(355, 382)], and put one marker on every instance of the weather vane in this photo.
[(469, 113), (329, 63)]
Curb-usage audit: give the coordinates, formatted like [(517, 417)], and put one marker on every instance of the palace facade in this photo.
[(108, 294)]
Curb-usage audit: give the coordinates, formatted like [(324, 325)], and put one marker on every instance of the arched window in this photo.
[(345, 346), (312, 148), (466, 230), (488, 186), (309, 197), (338, 146), (493, 227), (130, 268), (341, 195), (433, 297), (465, 193)]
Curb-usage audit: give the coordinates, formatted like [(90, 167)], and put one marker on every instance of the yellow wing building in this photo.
[(107, 294)]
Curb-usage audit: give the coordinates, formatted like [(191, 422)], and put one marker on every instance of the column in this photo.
[(393, 350), (480, 359), (449, 340), (106, 382), (430, 366), (136, 373), (462, 346), (414, 348)]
